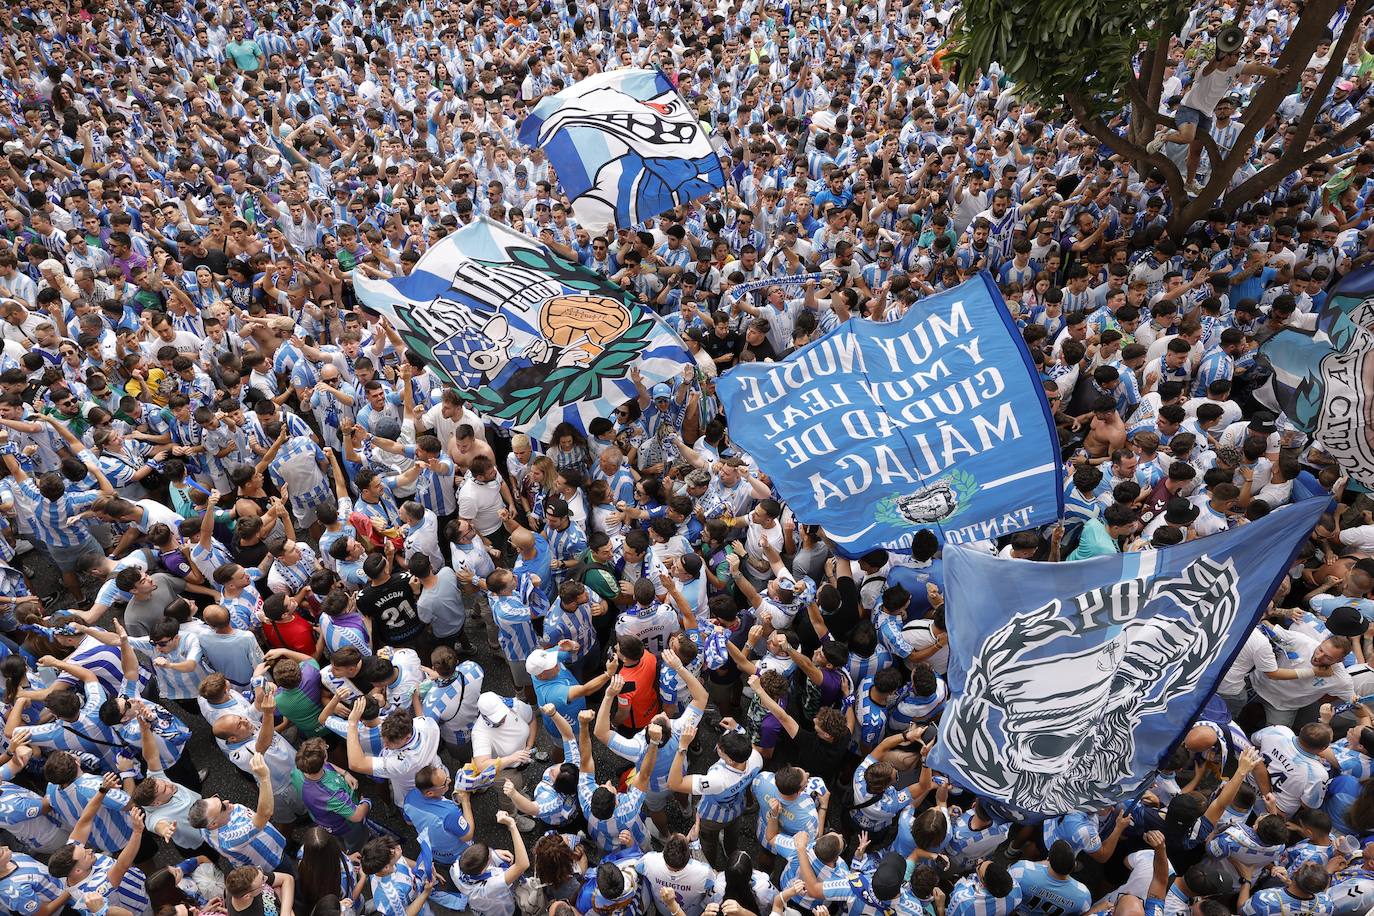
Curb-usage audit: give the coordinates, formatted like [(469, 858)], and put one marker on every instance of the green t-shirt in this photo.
[(244, 54), (297, 706), (1095, 541)]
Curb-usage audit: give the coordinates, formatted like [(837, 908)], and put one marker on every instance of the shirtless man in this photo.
[(465, 446), (1107, 432)]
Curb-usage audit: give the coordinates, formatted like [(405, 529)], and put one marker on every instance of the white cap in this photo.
[(541, 661), (492, 709)]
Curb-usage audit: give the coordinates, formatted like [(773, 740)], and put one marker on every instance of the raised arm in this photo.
[(521, 862), (700, 698), (603, 712), (81, 831), (267, 703), (206, 536), (585, 763), (789, 724), (646, 767), (82, 674), (266, 800), (677, 773), (125, 860), (1248, 762), (358, 761)]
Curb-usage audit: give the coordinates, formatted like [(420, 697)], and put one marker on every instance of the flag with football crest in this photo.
[(529, 339), (626, 147)]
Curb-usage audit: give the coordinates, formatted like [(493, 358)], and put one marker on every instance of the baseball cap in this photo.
[(1344, 85), (889, 877), (1347, 621), (1263, 422), (541, 661), (388, 428), (662, 391), (1179, 511), (492, 709), (558, 508), (1207, 879)]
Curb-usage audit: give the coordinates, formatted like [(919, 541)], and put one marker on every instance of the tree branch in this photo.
[(1292, 160), (1098, 128), (1296, 53)]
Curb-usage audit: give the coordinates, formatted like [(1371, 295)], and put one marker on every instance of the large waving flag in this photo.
[(1324, 378), (937, 420), (528, 339), (1072, 681), (625, 146)]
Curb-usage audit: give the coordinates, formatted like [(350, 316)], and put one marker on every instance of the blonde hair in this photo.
[(547, 469), (520, 440)]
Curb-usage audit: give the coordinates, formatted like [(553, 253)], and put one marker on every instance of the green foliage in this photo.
[(1052, 48)]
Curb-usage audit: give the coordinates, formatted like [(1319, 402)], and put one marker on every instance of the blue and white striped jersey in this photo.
[(112, 830), (241, 843)]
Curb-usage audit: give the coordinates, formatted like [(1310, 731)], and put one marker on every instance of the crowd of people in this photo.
[(282, 539)]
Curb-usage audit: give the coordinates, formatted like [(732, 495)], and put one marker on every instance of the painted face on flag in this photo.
[(1070, 682)]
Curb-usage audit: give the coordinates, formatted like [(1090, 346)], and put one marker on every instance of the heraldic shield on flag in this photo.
[(529, 339), (1072, 681), (625, 146)]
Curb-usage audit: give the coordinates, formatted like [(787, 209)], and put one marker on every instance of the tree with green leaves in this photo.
[(1106, 61)]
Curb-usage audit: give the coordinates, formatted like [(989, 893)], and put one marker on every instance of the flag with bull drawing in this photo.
[(528, 339), (626, 147), (1323, 379), (1070, 682)]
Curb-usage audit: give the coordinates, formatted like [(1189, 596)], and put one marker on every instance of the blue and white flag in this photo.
[(626, 147), (528, 339), (1072, 681), (937, 420), (1324, 378)]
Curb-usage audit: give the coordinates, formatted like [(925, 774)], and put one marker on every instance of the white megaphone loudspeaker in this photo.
[(1229, 40)]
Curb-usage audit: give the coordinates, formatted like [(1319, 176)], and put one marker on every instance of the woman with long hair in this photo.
[(559, 867), (746, 887), (323, 870), (570, 448)]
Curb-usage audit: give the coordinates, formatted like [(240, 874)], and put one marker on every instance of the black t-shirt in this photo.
[(391, 606), (762, 352), (214, 258), (820, 758), (840, 623), (717, 346)]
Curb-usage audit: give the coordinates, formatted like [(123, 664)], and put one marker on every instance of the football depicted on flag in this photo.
[(585, 322)]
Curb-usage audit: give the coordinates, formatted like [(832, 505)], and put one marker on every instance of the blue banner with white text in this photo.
[(1070, 682), (937, 420)]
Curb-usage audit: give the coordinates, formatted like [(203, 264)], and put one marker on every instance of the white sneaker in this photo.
[(1157, 143), (1193, 187), (22, 546)]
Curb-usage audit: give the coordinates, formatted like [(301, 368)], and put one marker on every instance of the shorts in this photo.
[(1187, 115), (518, 674), (657, 801), (68, 559)]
